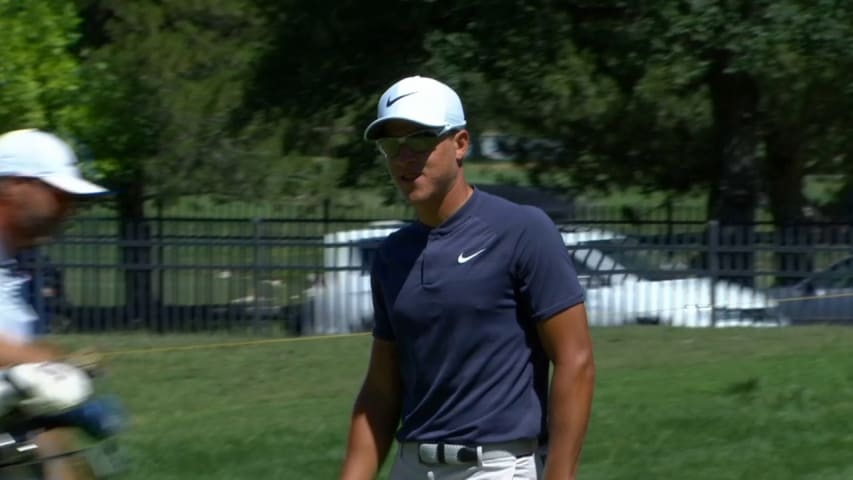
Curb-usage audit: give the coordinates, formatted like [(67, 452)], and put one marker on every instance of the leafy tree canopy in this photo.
[(39, 75)]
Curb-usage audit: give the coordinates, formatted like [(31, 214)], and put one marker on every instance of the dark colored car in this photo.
[(825, 296)]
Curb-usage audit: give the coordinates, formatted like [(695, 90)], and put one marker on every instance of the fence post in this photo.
[(158, 265), (256, 277), (327, 214), (713, 266)]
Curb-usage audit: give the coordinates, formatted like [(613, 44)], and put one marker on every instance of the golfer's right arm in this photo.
[(375, 415)]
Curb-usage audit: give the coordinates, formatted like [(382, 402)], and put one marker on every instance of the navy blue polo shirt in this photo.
[(461, 302)]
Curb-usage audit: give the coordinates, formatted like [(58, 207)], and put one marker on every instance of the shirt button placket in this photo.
[(430, 261)]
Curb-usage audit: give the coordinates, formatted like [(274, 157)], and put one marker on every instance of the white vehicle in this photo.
[(340, 300), (623, 282), (628, 283)]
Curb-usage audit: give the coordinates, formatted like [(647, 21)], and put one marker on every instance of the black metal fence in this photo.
[(307, 275)]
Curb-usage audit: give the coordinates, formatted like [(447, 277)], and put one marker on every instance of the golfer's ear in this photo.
[(462, 142)]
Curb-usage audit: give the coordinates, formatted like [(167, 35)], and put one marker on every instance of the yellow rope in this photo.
[(206, 346)]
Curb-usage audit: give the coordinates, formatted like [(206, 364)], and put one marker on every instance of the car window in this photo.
[(630, 256), (587, 276), (837, 276)]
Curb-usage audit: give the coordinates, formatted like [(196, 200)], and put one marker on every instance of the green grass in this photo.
[(687, 404)]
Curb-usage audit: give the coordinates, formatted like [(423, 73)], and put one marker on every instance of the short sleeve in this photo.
[(544, 271), (382, 323)]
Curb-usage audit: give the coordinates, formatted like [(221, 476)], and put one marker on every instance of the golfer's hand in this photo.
[(88, 359)]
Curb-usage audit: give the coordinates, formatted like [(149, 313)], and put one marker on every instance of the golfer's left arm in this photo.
[(566, 340), (14, 351)]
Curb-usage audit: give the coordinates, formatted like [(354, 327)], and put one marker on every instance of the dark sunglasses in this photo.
[(422, 141)]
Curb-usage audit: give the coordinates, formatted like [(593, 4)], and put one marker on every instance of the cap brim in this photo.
[(75, 185), (375, 128)]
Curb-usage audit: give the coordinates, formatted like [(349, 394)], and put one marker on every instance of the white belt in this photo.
[(449, 453)]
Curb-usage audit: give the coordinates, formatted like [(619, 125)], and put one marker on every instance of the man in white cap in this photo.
[(473, 303), (39, 187), (40, 184)]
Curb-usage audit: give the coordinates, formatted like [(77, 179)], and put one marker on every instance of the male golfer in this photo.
[(473, 302)]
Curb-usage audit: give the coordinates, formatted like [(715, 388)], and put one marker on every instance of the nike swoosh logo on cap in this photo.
[(462, 258), (390, 102)]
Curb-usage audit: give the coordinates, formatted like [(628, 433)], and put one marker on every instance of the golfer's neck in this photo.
[(437, 212)]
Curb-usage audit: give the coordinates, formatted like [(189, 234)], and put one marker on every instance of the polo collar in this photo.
[(460, 215)]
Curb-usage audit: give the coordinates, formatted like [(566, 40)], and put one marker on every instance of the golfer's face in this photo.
[(42, 210), (421, 164)]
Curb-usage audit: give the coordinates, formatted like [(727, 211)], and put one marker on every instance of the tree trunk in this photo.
[(784, 172), (734, 193), (135, 238)]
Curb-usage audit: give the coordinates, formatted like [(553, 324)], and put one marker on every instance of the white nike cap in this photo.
[(421, 100), (35, 154)]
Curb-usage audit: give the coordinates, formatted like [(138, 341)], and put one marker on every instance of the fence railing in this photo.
[(303, 276)]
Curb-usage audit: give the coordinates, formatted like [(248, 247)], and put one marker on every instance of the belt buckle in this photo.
[(467, 454), (446, 454)]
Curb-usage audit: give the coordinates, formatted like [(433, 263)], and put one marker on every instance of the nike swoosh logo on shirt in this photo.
[(390, 102), (462, 258)]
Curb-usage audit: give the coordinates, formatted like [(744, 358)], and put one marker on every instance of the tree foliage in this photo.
[(262, 98), (739, 98), (165, 80), (735, 97), (164, 83), (39, 76)]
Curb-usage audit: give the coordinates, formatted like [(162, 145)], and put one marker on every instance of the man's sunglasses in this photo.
[(422, 141)]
